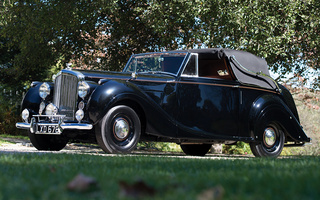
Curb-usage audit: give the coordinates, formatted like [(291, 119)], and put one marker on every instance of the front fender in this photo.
[(271, 108), (32, 100), (105, 96)]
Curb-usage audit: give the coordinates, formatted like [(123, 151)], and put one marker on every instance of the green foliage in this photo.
[(103, 34), (4, 142), (277, 30), (238, 148), (9, 110), (43, 32), (8, 120), (159, 146)]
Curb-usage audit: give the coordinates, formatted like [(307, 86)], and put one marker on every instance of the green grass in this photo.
[(45, 176), (14, 136), (3, 142)]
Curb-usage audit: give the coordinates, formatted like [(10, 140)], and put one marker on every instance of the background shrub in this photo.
[(10, 100)]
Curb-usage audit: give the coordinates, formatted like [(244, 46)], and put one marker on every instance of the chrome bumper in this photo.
[(64, 126), (59, 126)]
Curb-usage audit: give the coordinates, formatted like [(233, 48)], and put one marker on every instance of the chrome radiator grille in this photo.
[(65, 94)]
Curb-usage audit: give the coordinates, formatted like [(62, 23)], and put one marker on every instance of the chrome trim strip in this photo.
[(196, 63), (200, 83)]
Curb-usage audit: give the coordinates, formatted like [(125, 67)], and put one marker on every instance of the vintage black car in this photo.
[(194, 98)]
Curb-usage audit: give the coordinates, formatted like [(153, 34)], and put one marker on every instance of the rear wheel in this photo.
[(119, 131), (195, 149), (48, 142), (272, 142)]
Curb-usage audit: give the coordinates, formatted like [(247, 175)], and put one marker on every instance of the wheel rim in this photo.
[(121, 128), (269, 138)]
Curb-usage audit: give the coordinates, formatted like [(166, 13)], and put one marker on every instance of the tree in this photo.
[(142, 26), (104, 34), (284, 32), (44, 32)]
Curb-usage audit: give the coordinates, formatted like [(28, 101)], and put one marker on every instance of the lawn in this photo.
[(46, 176)]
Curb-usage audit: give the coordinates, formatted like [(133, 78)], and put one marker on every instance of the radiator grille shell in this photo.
[(65, 95)]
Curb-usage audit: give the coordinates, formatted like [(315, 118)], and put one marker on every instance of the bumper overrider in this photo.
[(51, 125)]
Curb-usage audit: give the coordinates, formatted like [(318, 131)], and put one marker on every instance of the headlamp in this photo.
[(83, 89), (44, 90)]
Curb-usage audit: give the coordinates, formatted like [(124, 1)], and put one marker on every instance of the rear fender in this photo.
[(271, 108), (288, 99)]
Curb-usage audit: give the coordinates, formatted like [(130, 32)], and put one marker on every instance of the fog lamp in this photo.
[(25, 115), (42, 107), (79, 115), (81, 105), (51, 109)]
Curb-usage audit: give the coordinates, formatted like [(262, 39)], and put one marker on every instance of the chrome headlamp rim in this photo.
[(83, 89), (44, 90)]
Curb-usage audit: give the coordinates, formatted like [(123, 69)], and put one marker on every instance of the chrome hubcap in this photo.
[(121, 128), (269, 137)]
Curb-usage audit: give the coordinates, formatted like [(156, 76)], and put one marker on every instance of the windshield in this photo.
[(155, 63)]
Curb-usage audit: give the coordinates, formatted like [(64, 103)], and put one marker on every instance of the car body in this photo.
[(194, 98)]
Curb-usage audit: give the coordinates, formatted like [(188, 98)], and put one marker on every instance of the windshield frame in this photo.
[(185, 57)]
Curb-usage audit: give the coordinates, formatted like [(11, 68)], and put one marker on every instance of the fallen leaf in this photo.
[(52, 169), (81, 183), (136, 190), (215, 193)]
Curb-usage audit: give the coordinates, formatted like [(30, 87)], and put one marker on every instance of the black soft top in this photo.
[(247, 68)]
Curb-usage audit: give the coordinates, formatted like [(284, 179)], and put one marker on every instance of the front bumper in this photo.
[(54, 126)]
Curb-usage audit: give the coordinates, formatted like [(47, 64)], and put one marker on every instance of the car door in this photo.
[(208, 105)]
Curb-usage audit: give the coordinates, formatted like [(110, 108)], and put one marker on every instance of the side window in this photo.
[(216, 69), (192, 66)]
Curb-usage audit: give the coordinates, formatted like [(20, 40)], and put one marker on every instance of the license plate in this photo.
[(48, 129)]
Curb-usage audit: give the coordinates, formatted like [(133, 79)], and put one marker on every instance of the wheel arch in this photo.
[(111, 94), (137, 108), (32, 100), (271, 108)]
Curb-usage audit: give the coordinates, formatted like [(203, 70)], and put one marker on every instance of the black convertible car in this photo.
[(194, 98)]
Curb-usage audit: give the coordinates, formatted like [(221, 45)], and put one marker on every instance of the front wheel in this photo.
[(119, 131), (272, 144), (195, 149), (48, 142)]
